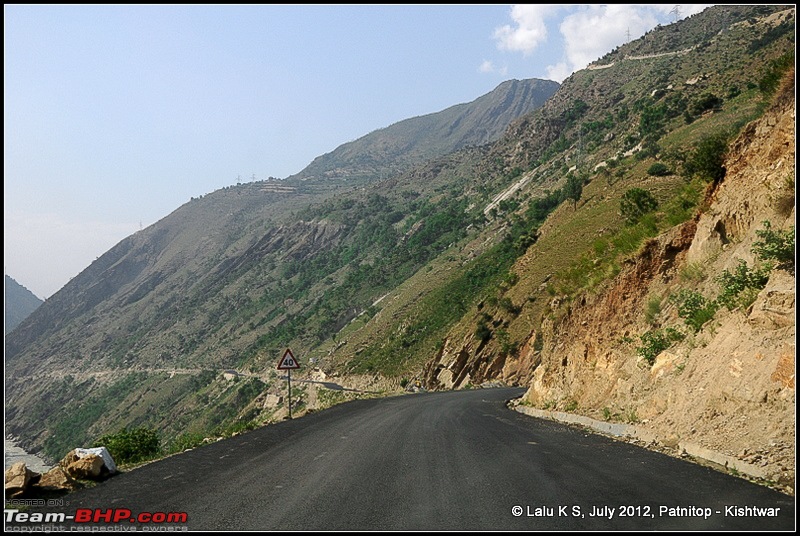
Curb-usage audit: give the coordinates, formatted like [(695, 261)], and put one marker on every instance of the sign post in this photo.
[(288, 363)]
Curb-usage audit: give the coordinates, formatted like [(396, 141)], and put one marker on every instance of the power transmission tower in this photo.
[(677, 11), (628, 35)]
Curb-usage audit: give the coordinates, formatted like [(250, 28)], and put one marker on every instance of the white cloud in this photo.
[(587, 31), (528, 30), (609, 26), (44, 251), (489, 67), (558, 72)]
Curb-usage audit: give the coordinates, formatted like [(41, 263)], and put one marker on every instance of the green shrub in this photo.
[(694, 308), (733, 92), (775, 246), (507, 305), (132, 446), (483, 332), (244, 425), (658, 170), (656, 341), (707, 158), (740, 287), (635, 203), (692, 272), (652, 119), (707, 101), (769, 82)]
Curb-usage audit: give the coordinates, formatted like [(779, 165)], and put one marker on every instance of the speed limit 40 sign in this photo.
[(288, 361)]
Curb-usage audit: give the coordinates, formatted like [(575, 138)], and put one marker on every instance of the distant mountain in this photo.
[(20, 302), (237, 274), (412, 141)]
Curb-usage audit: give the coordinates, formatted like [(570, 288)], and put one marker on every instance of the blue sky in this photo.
[(114, 116)]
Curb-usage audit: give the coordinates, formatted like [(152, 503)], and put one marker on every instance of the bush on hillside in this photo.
[(741, 286), (694, 308), (658, 170), (775, 246), (635, 203), (132, 446), (707, 158), (656, 341)]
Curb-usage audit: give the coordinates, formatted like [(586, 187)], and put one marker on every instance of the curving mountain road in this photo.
[(441, 461)]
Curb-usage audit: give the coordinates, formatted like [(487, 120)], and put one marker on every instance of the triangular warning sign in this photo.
[(288, 361)]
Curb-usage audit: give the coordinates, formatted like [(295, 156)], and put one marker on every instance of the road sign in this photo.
[(288, 362)]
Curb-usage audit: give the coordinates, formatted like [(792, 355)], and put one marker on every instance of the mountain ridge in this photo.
[(414, 140), (19, 303)]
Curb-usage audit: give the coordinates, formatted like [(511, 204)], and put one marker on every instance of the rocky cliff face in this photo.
[(729, 387)]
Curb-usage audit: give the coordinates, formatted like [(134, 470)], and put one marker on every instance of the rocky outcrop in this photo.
[(88, 468), (730, 387), (775, 306), (57, 479), (758, 186), (464, 361), (18, 480), (88, 464), (583, 361), (22, 482)]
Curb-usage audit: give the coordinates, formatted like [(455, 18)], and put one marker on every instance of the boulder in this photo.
[(18, 479), (70, 457), (87, 468), (57, 479), (74, 466), (108, 461)]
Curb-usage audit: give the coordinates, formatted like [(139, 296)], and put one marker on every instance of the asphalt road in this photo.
[(438, 461)]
